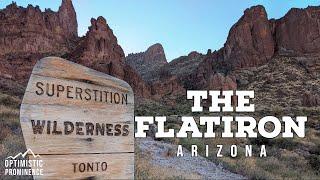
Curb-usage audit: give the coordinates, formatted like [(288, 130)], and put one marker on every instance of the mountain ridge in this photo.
[(28, 34), (251, 42)]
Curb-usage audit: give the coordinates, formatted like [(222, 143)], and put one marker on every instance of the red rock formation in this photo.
[(220, 82), (250, 41), (169, 86), (18, 67), (155, 54), (28, 30), (194, 55), (254, 39), (140, 88), (100, 50), (68, 18), (27, 35), (298, 31), (149, 62)]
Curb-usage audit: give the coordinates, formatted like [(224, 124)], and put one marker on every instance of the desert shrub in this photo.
[(141, 174), (8, 116), (141, 170), (260, 141), (315, 150), (9, 101), (271, 151), (277, 110), (279, 142), (314, 161), (261, 175), (187, 143), (227, 152), (171, 152), (271, 164), (284, 143), (172, 126), (10, 121), (305, 111)]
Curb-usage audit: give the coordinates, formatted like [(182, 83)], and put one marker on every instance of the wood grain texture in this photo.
[(111, 105), (32, 98), (62, 69), (62, 167)]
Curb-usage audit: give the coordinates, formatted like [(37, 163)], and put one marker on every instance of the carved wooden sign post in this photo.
[(79, 121)]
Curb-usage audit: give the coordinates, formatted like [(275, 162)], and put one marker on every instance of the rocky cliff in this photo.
[(99, 49), (149, 62), (28, 34), (253, 41), (250, 41), (28, 30), (298, 32)]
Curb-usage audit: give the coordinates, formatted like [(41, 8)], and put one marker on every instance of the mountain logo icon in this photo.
[(24, 155)]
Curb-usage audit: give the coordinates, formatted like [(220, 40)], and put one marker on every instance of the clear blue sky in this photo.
[(181, 26)]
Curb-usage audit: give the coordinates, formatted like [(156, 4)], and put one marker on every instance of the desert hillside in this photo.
[(277, 58)]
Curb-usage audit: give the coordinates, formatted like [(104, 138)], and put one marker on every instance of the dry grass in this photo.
[(279, 87), (11, 139), (296, 158), (144, 169)]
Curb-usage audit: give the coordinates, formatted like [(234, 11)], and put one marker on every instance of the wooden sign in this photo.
[(79, 121)]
